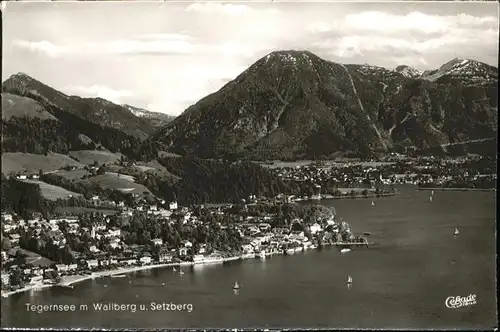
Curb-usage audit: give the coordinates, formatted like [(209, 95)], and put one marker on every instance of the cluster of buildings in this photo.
[(105, 247), (400, 170)]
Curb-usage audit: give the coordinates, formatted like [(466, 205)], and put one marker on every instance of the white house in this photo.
[(198, 258), (9, 227), (5, 279), (92, 263), (61, 267), (172, 206), (114, 245), (94, 249), (315, 228), (157, 242), (187, 244), (114, 232), (145, 260), (6, 216), (36, 279)]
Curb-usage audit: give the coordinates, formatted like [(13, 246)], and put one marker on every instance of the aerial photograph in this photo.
[(249, 165)]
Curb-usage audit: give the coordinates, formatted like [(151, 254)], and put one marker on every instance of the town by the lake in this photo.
[(61, 249)]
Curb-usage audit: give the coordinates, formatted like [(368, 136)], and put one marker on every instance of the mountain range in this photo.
[(293, 104), (134, 121), (287, 105)]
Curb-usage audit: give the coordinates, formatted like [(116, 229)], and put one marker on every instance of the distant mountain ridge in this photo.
[(408, 71), (155, 119), (466, 71), (293, 104), (96, 110)]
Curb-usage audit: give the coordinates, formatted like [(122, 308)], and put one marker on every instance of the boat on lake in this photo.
[(349, 280), (118, 276), (430, 199), (236, 285), (456, 232), (174, 269), (373, 203), (345, 250)]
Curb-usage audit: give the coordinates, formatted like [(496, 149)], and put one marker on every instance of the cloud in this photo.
[(99, 91), (387, 23), (229, 9), (165, 36), (395, 36), (47, 48), (152, 44), (219, 8), (159, 46)]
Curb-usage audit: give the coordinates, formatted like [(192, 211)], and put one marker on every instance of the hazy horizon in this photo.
[(177, 53)]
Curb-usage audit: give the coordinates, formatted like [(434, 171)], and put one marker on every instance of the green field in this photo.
[(13, 105), (88, 157), (154, 167), (52, 192), (31, 163), (72, 175), (122, 176), (112, 181)]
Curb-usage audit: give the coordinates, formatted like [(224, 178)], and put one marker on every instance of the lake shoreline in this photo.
[(458, 189), (67, 281), (323, 197)]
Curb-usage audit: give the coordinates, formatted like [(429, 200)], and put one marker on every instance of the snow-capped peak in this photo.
[(471, 70), (139, 112), (408, 71)]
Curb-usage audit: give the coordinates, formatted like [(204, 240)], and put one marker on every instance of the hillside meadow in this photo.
[(17, 162)]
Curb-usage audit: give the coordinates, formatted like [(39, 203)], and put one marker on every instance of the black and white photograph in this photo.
[(249, 165)]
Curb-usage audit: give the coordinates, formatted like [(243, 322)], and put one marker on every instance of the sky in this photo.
[(165, 56)]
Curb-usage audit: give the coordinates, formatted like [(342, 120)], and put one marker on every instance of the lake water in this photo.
[(401, 283)]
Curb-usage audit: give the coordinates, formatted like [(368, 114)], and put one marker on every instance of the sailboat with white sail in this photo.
[(456, 232), (349, 280)]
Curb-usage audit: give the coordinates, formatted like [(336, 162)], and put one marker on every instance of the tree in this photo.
[(16, 277), (6, 245), (101, 170)]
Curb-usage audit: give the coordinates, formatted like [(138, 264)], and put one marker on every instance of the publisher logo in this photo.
[(454, 302)]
